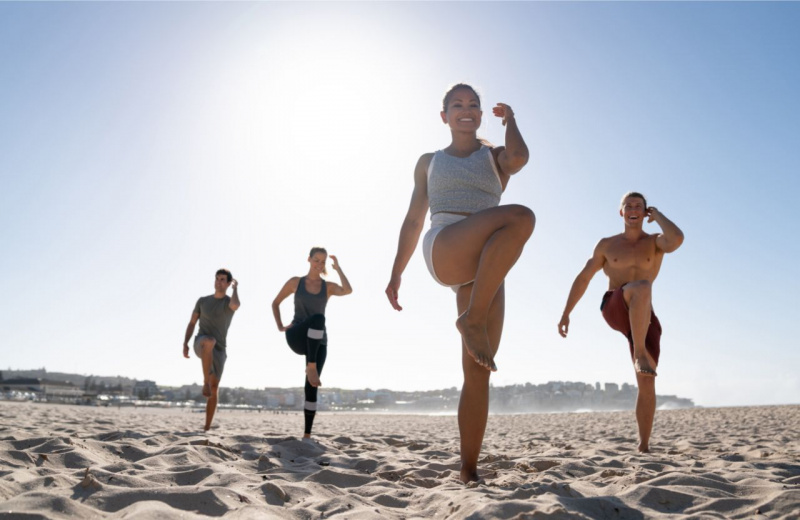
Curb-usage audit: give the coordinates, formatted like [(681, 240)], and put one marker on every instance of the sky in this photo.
[(145, 145)]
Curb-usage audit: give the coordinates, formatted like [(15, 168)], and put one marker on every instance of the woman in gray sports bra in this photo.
[(472, 244), (306, 335)]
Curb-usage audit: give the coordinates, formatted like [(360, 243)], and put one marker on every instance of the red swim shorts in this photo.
[(615, 311)]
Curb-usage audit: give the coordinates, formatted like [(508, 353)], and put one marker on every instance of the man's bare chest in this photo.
[(624, 255)]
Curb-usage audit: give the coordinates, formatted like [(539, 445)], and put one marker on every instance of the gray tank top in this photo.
[(307, 304), (463, 185)]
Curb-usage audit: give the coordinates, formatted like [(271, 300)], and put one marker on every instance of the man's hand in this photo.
[(186, 350), (391, 292), (563, 326), (234, 284), (652, 214), (504, 111)]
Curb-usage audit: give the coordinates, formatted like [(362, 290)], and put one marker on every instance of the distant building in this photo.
[(43, 389), (145, 389)]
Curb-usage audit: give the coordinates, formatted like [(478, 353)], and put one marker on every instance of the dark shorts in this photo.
[(219, 358), (615, 311)]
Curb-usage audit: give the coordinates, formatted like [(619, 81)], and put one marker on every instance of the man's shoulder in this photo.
[(211, 299), (606, 242)]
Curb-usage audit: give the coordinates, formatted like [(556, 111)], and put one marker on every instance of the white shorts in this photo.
[(439, 221)]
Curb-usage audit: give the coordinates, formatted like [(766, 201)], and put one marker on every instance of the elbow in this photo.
[(676, 242), (517, 161)]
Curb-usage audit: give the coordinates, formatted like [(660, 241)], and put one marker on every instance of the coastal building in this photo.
[(42, 390)]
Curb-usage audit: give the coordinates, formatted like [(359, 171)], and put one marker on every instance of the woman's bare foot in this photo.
[(313, 375), (477, 342), (643, 448), (469, 475)]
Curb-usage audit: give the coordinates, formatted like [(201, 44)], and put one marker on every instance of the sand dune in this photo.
[(61, 461)]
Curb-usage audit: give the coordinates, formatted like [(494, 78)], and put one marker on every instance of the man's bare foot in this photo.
[(643, 448), (642, 366), (477, 342), (206, 427), (313, 375), (206, 390)]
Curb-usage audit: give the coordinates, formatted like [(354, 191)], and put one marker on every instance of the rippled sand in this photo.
[(61, 461)]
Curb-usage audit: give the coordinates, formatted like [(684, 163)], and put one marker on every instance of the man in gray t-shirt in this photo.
[(215, 313)]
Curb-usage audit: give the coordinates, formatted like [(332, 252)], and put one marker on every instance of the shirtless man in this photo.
[(215, 313), (631, 260)]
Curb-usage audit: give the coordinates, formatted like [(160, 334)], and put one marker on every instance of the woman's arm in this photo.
[(514, 155), (336, 289), (411, 228), (288, 288)]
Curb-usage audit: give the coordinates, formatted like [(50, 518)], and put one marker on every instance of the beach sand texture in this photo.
[(156, 463)]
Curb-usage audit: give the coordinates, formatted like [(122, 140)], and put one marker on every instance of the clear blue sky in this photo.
[(144, 145)]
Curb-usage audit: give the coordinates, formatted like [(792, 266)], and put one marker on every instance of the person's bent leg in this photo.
[(207, 344), (211, 404), (316, 331), (310, 406), (473, 406), (645, 409), (483, 247), (638, 298)]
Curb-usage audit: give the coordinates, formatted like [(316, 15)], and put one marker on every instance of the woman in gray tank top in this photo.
[(306, 335), (472, 244)]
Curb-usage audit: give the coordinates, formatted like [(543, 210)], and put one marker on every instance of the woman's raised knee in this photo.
[(523, 217), (317, 321)]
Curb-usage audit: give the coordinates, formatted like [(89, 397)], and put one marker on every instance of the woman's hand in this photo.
[(391, 292), (504, 111)]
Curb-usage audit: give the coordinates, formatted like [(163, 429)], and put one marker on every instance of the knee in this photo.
[(523, 217), (640, 290), (208, 343), (317, 321), (214, 386), (642, 287)]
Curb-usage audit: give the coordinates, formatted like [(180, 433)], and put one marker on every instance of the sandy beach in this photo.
[(60, 461)]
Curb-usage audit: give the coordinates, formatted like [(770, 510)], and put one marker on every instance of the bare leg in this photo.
[(207, 349), (483, 247), (637, 295), (211, 404), (312, 374), (645, 409), (473, 406)]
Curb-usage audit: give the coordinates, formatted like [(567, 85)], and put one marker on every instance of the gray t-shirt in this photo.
[(215, 317)]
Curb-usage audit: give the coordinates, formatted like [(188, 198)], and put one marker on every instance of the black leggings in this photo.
[(310, 346)]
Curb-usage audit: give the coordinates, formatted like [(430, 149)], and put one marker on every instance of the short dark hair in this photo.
[(226, 273), (632, 194)]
